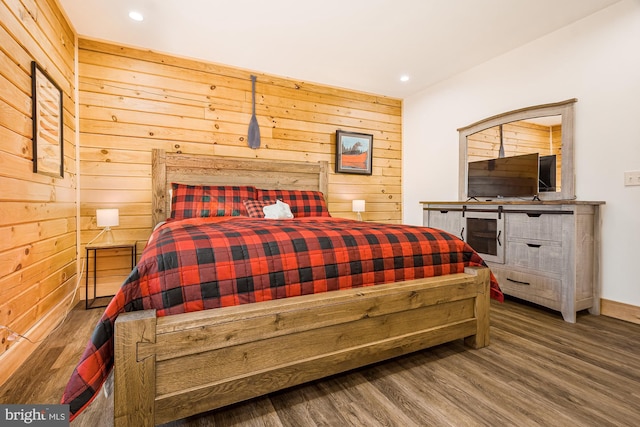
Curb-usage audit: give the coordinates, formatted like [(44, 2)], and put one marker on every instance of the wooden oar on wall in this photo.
[(254, 130)]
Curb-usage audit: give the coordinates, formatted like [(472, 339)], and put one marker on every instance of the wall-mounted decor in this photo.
[(47, 123), (253, 137), (354, 152)]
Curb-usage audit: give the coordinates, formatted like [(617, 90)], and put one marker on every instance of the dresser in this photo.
[(545, 252)]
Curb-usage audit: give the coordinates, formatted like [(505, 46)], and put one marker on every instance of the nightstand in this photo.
[(94, 248)]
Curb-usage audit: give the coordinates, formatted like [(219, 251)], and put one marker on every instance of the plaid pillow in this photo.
[(301, 202), (199, 201), (254, 207)]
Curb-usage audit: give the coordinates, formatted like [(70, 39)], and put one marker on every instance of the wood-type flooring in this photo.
[(537, 371)]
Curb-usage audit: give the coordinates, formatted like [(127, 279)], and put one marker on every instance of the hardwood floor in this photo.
[(538, 370)]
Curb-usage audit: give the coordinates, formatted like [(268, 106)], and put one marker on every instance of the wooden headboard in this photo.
[(197, 169)]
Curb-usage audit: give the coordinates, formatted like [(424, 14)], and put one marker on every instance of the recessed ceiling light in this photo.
[(136, 16), (404, 78)]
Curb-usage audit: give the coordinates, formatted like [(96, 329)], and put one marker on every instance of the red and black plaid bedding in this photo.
[(204, 263)]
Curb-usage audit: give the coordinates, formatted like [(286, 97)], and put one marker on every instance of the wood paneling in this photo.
[(518, 138), (132, 101), (37, 212)]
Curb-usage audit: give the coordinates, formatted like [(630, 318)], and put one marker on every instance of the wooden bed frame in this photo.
[(171, 367)]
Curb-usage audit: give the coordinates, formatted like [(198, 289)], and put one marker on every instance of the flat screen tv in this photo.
[(514, 176), (547, 173)]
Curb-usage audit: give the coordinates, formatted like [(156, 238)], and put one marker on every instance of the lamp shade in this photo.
[(107, 217), (357, 205)]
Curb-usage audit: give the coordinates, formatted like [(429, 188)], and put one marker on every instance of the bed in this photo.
[(175, 359)]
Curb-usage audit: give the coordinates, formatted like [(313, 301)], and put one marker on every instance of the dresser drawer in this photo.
[(543, 256), (534, 226), (530, 287)]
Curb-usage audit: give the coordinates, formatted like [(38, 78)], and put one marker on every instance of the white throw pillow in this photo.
[(280, 210)]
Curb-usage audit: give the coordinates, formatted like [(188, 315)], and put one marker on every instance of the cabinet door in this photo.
[(444, 219)]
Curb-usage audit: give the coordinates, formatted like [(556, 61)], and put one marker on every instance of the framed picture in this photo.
[(47, 123), (354, 152)]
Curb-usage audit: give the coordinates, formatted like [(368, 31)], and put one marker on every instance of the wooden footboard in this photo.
[(168, 368)]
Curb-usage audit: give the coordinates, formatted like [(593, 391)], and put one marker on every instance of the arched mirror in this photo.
[(521, 154)]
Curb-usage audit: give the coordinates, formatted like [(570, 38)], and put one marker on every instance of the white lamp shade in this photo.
[(357, 205), (107, 217)]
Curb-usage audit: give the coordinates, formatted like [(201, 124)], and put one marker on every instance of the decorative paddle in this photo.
[(254, 130)]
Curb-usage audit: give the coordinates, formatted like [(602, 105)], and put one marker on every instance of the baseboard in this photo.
[(619, 310)]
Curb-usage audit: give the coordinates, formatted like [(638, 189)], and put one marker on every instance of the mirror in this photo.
[(544, 129)]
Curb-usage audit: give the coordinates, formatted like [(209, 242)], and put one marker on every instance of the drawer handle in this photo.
[(533, 245), (444, 212), (518, 282), (533, 215), (462, 234)]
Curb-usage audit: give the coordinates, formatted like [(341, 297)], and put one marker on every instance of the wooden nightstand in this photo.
[(95, 247)]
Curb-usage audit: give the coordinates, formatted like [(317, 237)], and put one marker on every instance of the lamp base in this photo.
[(107, 237), (358, 216)]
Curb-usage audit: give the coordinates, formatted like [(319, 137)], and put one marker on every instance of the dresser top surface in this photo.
[(514, 202)]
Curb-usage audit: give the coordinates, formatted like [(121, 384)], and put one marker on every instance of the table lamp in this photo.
[(107, 218), (358, 206)]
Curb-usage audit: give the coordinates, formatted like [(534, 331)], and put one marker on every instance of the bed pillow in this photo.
[(255, 207), (200, 201), (301, 202)]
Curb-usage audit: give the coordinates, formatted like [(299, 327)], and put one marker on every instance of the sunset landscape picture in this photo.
[(353, 152)]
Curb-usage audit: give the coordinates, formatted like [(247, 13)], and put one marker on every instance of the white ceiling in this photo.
[(364, 45)]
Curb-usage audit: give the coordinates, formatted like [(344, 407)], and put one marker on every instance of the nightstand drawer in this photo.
[(542, 256), (534, 226)]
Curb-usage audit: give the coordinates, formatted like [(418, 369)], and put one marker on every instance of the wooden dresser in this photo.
[(545, 252)]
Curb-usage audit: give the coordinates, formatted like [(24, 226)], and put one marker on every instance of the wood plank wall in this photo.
[(37, 212), (519, 138), (133, 100)]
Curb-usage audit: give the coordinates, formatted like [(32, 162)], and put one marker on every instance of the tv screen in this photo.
[(514, 176), (547, 173)]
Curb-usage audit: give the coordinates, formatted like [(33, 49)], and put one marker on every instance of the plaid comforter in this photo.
[(204, 263)]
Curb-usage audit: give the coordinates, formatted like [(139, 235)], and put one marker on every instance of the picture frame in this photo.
[(354, 152), (48, 141)]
